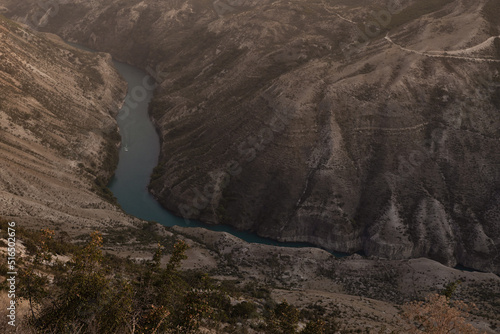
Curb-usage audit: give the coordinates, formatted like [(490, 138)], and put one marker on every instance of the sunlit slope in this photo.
[(57, 135)]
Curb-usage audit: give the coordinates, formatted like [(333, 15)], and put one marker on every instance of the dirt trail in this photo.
[(334, 11), (450, 54), (409, 128), (345, 19), (474, 48)]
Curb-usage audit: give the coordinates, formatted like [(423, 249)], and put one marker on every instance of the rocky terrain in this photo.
[(353, 125), (57, 153), (362, 292), (58, 136)]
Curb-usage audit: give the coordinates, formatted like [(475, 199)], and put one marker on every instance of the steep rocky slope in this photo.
[(314, 274), (58, 136), (342, 290), (299, 120)]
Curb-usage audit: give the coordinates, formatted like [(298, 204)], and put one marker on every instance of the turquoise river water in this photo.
[(139, 155)]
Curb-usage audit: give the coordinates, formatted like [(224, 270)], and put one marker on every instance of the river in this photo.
[(139, 154)]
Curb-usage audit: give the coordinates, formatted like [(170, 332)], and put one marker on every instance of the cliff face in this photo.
[(353, 125), (58, 136)]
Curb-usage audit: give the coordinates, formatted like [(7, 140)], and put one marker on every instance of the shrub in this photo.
[(438, 314)]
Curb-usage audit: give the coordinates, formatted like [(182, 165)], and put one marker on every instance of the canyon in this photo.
[(351, 125), (291, 119)]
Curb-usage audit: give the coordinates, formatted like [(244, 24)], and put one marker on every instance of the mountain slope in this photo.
[(58, 137), (300, 121)]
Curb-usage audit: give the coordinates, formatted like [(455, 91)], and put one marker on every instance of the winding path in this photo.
[(451, 54), (408, 128)]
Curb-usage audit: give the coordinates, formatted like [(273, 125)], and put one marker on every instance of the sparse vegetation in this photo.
[(438, 314), (98, 293), (101, 188)]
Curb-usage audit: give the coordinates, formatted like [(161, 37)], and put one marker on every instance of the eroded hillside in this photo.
[(354, 125), (58, 136)]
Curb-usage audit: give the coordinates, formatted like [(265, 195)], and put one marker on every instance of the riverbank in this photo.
[(138, 157)]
